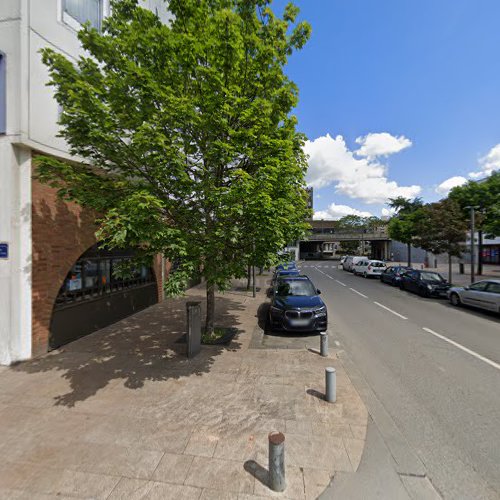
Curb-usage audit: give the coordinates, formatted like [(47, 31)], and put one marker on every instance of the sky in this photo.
[(397, 97)]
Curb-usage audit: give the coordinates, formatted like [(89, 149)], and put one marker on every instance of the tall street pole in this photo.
[(472, 232)]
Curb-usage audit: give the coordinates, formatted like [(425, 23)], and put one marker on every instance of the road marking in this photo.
[(340, 283), (390, 310), (359, 293), (463, 348), (322, 272)]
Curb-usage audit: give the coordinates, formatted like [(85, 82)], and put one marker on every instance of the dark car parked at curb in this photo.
[(425, 283), (393, 274), (296, 306)]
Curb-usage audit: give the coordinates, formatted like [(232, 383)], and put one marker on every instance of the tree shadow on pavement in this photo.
[(140, 348)]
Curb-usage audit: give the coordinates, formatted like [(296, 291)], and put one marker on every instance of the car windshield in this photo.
[(296, 288), (432, 277), (377, 264)]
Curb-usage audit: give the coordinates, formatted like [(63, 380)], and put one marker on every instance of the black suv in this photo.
[(425, 283), (296, 306)]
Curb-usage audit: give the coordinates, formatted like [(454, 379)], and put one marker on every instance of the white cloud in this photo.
[(381, 144), (388, 212), (338, 211), (331, 162), (488, 164), (446, 186)]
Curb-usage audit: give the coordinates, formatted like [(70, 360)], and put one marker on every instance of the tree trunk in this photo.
[(209, 323), (409, 254), (249, 274), (479, 253), (450, 268)]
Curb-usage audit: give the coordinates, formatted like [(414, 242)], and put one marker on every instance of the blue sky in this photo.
[(427, 72)]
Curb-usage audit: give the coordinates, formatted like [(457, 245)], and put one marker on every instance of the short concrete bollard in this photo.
[(331, 385), (277, 461), (323, 344)]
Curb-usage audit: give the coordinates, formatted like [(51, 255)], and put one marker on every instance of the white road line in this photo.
[(340, 283), (463, 348), (390, 310), (359, 293)]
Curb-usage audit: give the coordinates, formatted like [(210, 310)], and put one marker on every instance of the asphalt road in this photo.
[(432, 368)]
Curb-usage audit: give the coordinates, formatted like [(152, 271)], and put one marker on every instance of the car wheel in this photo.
[(423, 292), (365, 275), (455, 299), (402, 286)]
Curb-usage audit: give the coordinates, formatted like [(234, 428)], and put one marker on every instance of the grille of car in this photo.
[(298, 314)]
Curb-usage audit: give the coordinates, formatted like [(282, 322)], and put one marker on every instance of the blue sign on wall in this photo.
[(4, 250)]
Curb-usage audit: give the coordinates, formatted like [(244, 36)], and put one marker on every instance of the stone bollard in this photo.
[(193, 328), (331, 385), (323, 344), (277, 461)]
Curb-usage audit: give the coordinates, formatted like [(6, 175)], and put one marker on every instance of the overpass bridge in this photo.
[(326, 242)]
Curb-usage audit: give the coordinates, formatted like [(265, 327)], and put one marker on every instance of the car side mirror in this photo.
[(318, 291), (466, 287)]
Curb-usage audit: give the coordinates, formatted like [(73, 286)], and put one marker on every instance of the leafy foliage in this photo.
[(184, 130), (485, 196)]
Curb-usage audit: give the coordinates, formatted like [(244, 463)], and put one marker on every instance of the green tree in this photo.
[(184, 130), (402, 227), (485, 196), (441, 228)]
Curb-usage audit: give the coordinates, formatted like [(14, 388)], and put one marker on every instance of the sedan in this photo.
[(296, 306), (425, 283), (393, 274), (483, 294)]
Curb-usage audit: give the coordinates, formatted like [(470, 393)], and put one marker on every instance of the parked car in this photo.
[(393, 274), (284, 272), (483, 294), (425, 283), (369, 268), (342, 259), (351, 261), (286, 266), (296, 306)]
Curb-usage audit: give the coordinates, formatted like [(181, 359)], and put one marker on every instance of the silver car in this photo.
[(484, 294)]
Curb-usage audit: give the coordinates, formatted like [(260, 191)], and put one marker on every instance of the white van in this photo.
[(351, 261)]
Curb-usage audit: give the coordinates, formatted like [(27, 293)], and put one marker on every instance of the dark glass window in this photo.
[(92, 276)]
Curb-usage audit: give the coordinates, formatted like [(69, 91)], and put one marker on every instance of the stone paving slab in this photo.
[(122, 413)]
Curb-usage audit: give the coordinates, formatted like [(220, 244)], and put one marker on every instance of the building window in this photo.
[(92, 276), (3, 94), (82, 11)]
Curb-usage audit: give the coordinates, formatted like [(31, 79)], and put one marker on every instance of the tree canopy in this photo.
[(185, 136), (485, 196)]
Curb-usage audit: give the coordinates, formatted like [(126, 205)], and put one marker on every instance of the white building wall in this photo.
[(26, 26)]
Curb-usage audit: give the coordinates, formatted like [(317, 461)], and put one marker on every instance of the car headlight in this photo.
[(430, 287), (320, 311), (276, 311)]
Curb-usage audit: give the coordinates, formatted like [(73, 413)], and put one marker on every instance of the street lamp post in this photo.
[(472, 238)]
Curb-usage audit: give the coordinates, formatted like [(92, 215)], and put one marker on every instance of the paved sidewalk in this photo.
[(123, 414)]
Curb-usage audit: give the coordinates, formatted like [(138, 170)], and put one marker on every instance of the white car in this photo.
[(483, 294), (351, 261), (369, 268)]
